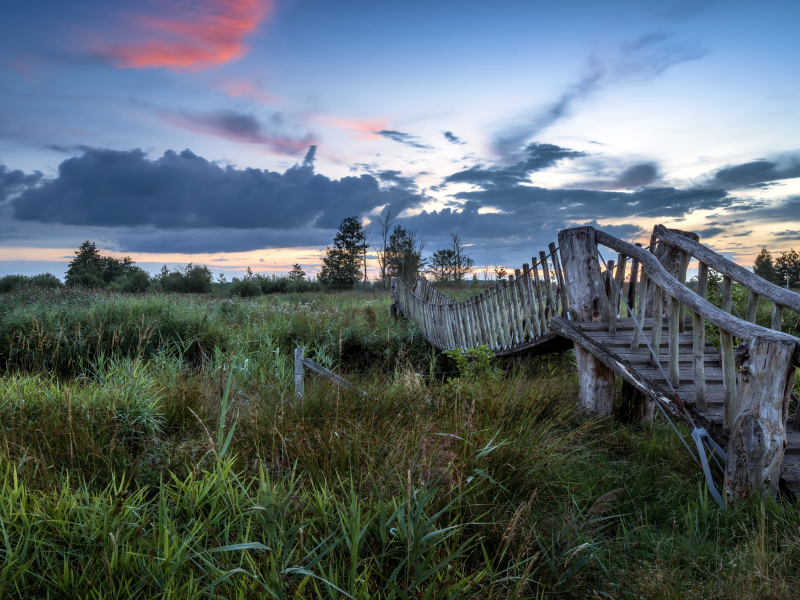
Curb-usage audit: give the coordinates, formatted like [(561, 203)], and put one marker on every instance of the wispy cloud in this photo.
[(403, 138), (196, 35), (642, 60), (244, 128), (453, 139), (360, 129), (756, 173)]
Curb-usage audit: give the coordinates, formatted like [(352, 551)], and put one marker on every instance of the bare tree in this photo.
[(385, 223), (462, 263)]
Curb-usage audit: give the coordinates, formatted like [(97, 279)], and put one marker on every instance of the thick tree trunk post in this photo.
[(299, 387), (635, 407), (765, 377), (587, 302), (393, 291)]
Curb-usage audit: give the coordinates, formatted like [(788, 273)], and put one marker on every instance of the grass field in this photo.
[(152, 447)]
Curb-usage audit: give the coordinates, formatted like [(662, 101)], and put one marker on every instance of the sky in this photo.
[(238, 133)]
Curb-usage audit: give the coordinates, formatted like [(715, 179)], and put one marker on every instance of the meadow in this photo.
[(153, 447)]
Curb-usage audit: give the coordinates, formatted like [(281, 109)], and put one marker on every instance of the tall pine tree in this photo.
[(342, 265)]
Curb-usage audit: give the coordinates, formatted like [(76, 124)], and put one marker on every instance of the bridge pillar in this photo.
[(764, 378), (587, 302)]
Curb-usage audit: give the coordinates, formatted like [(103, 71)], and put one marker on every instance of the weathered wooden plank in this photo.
[(633, 283), (748, 279), (752, 307), (539, 296), (738, 327), (699, 339), (502, 321), (551, 305), (777, 316), (758, 433), (516, 315), (332, 376), (299, 386), (533, 316), (508, 311), (641, 309), (619, 277), (559, 279), (728, 362), (611, 290), (521, 312), (674, 331), (658, 316)]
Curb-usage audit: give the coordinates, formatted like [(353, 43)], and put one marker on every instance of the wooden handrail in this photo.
[(656, 273), (748, 279)]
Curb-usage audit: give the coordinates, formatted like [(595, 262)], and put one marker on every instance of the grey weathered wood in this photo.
[(539, 297), (299, 386), (502, 322), (737, 327), (658, 319), (748, 279), (699, 341), (319, 369), (508, 310), (611, 289), (633, 283), (777, 316), (533, 315), (559, 278), (752, 307), (520, 305), (758, 433), (619, 277), (588, 302), (551, 305), (469, 331), (641, 308), (497, 325), (727, 357), (674, 332), (516, 314)]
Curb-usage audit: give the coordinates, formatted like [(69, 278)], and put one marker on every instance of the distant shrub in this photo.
[(9, 283), (194, 279), (135, 281), (245, 288)]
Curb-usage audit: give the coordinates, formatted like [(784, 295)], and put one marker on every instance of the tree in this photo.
[(385, 223), (441, 265), (90, 269), (788, 265), (764, 267), (341, 267), (403, 254), (297, 273), (462, 263)]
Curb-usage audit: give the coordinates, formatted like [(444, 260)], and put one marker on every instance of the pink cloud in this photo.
[(360, 129), (247, 89), (199, 34)]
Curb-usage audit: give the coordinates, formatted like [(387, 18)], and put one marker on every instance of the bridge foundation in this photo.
[(588, 302)]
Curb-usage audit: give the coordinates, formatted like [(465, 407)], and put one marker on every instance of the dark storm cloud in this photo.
[(642, 60), (633, 177), (402, 138), (110, 188), (12, 182), (538, 157), (758, 172), (396, 178), (274, 132), (582, 204), (453, 139), (710, 232), (762, 186), (788, 236)]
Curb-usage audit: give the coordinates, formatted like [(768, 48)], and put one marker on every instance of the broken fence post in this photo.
[(298, 374)]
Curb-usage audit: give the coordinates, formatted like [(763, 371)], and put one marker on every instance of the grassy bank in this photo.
[(180, 466)]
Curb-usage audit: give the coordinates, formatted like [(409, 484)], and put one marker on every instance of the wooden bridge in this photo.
[(633, 316)]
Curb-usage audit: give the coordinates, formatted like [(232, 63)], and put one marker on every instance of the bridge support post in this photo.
[(764, 377), (393, 311), (588, 302)]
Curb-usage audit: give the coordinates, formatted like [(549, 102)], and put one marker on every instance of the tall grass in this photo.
[(187, 469)]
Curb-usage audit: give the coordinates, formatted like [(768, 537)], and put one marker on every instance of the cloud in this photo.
[(243, 128), (359, 129), (14, 182), (194, 36), (395, 177), (762, 186), (539, 157), (788, 235), (183, 191), (448, 135), (755, 173), (241, 88), (635, 176), (402, 138), (642, 60)]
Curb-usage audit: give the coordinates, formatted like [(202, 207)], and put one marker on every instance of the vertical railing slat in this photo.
[(612, 298), (641, 308), (551, 306), (726, 355), (699, 342), (658, 322)]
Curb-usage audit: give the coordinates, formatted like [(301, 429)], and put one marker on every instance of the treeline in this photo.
[(784, 270)]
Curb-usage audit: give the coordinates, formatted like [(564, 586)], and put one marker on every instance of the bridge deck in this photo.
[(618, 347)]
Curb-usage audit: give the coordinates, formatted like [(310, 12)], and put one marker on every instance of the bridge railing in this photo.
[(757, 377), (508, 317)]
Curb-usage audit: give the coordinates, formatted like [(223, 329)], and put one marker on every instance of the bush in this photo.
[(246, 288), (195, 279), (9, 283)]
